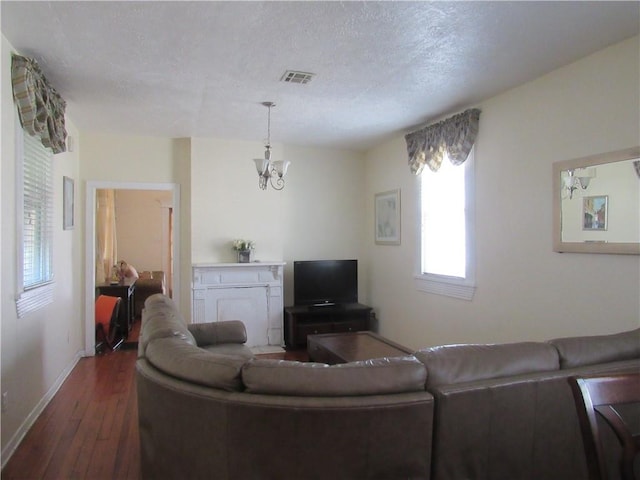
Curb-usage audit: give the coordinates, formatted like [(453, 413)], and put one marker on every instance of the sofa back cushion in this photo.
[(450, 364), (161, 319), (368, 377), (213, 333), (591, 350), (180, 359)]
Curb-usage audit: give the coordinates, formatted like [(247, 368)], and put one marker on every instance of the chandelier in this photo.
[(577, 178), (270, 171)]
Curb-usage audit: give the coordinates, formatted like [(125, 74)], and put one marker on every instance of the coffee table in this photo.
[(346, 347)]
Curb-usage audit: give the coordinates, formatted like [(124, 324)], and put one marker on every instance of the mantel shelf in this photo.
[(240, 265)]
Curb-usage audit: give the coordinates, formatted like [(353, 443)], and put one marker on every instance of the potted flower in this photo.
[(243, 248)]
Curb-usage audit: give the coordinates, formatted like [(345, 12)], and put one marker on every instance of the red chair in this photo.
[(107, 314), (612, 400)]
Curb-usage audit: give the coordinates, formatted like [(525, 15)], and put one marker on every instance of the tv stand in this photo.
[(303, 320), (321, 306)]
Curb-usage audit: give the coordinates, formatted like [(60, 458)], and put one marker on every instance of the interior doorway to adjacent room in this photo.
[(143, 241)]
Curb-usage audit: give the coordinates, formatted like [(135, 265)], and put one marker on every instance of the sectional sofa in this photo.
[(506, 411), (208, 408)]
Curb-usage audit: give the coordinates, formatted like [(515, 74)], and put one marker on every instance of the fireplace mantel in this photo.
[(250, 292)]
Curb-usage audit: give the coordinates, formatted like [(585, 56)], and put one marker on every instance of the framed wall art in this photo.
[(387, 218), (68, 203), (595, 212)]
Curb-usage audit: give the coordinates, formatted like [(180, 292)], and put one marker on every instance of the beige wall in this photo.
[(142, 227), (317, 215), (227, 203), (155, 160), (122, 158), (525, 291), (323, 215), (39, 349)]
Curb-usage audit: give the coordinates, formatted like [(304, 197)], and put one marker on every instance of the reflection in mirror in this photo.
[(597, 203)]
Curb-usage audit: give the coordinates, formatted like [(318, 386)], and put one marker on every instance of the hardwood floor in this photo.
[(89, 430), (90, 427)]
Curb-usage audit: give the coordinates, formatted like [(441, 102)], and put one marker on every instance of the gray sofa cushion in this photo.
[(451, 364), (161, 319), (178, 358), (236, 349), (579, 351), (213, 333), (368, 377)]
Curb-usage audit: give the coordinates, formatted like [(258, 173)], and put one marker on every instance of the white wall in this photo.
[(525, 291), (39, 349), (317, 215)]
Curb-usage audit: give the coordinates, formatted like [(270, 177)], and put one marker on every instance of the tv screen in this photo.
[(325, 282)]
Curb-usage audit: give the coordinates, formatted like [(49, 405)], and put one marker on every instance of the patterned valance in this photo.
[(40, 108), (454, 136)]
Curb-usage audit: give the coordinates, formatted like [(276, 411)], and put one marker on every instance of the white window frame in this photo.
[(461, 288), (35, 297)]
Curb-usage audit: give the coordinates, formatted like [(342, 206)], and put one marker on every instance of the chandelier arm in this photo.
[(279, 182)]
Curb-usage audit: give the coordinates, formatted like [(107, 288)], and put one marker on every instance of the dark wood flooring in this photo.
[(89, 430)]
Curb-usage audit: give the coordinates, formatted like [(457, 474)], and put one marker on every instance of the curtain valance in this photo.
[(40, 108), (454, 136)]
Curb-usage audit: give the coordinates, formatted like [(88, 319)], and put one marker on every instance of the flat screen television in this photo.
[(325, 282)]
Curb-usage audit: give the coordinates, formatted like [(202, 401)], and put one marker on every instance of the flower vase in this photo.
[(244, 256)]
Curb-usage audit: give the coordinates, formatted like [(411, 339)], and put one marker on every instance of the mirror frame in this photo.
[(588, 247)]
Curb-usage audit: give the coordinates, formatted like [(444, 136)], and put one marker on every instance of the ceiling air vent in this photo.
[(291, 76)]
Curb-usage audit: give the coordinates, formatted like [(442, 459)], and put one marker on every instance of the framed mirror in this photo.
[(596, 203)]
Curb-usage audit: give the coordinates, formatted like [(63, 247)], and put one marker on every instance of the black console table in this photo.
[(124, 290), (300, 321)]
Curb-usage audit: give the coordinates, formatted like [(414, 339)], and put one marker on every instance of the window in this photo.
[(35, 223), (446, 257)]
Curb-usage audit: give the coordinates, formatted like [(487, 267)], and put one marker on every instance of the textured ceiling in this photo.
[(201, 69)]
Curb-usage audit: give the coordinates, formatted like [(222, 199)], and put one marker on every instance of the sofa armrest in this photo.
[(213, 333)]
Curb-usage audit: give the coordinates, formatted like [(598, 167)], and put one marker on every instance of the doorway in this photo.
[(170, 261)]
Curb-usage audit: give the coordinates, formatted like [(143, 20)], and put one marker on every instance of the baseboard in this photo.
[(13, 444), (266, 349)]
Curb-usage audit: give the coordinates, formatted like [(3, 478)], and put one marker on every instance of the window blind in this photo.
[(37, 229), (35, 268)]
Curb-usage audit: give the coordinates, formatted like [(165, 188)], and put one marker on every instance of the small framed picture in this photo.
[(595, 212), (68, 203), (387, 218)]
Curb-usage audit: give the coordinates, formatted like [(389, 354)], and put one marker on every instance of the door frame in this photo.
[(90, 247)]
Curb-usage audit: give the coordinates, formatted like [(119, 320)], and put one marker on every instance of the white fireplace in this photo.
[(250, 292)]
